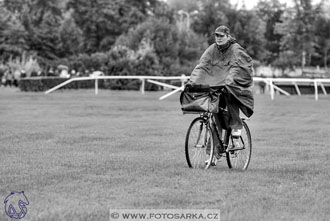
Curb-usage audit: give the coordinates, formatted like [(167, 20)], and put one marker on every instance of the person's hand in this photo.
[(188, 86)]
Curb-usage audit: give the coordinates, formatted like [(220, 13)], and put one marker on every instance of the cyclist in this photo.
[(227, 63)]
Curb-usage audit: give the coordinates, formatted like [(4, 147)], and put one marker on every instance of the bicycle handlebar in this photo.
[(201, 88)]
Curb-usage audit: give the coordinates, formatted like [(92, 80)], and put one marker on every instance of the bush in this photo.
[(160, 36), (286, 60), (121, 61), (88, 62), (176, 50)]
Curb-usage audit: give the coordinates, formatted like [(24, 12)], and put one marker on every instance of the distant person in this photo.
[(51, 72), (9, 78), (57, 73), (226, 63), (17, 77), (78, 74), (73, 73), (23, 73), (64, 73), (3, 80)]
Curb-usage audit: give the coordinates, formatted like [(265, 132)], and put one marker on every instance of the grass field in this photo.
[(77, 154)]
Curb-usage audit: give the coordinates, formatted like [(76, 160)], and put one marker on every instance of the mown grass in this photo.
[(76, 155)]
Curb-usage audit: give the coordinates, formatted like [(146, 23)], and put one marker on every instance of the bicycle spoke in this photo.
[(196, 157), (199, 133), (198, 144), (239, 158)]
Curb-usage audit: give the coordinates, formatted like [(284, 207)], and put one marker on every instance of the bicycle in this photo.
[(202, 151)]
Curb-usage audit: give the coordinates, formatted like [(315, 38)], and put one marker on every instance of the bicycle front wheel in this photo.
[(240, 150), (199, 144)]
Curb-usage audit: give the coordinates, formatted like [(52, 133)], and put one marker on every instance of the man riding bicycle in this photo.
[(227, 63)]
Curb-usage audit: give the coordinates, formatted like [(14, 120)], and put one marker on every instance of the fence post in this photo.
[(183, 80), (323, 88), (316, 90), (272, 92), (96, 86), (297, 88), (142, 85)]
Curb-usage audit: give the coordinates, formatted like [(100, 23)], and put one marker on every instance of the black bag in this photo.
[(196, 102)]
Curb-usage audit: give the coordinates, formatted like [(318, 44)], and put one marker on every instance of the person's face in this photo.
[(221, 38)]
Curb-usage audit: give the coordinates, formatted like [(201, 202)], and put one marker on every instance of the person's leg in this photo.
[(218, 117), (216, 142), (235, 121), (215, 134)]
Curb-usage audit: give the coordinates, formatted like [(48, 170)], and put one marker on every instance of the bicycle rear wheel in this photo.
[(199, 144), (240, 150)]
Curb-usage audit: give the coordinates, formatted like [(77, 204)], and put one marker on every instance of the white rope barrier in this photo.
[(152, 79)]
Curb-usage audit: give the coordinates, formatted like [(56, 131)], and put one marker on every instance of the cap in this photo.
[(222, 29)]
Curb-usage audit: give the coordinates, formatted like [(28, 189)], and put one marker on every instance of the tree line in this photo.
[(154, 37)]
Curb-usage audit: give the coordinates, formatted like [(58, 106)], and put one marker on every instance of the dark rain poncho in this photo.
[(232, 68)]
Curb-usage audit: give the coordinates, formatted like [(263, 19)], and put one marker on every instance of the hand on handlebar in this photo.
[(192, 87), (188, 86)]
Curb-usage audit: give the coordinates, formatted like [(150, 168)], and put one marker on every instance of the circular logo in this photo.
[(15, 205), (114, 215)]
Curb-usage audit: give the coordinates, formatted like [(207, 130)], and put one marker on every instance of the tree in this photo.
[(270, 13), (15, 6), (297, 28), (286, 60), (98, 20), (47, 40), (177, 51), (71, 39), (212, 13), (12, 35), (40, 21), (102, 21), (322, 33), (244, 25), (248, 29), (185, 5), (162, 35)]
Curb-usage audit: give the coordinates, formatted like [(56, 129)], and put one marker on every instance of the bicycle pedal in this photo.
[(233, 154), (213, 163)]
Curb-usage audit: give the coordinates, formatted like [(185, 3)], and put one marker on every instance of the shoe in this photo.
[(234, 146), (218, 156), (236, 132)]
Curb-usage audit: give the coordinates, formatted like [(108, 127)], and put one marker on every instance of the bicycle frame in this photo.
[(237, 150), (212, 122)]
